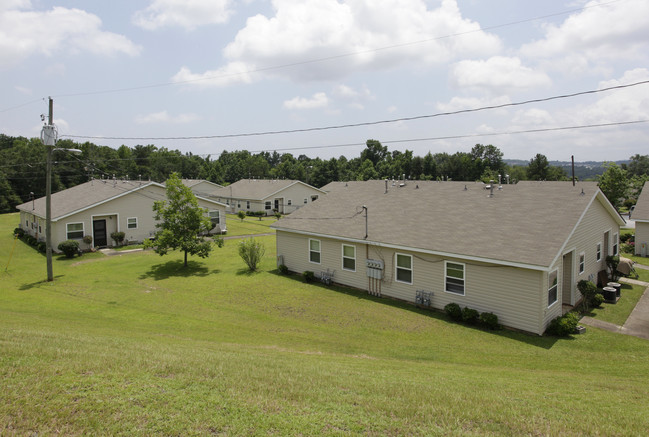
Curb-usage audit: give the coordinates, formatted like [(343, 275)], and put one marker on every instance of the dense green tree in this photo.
[(374, 151), (638, 165), (614, 184), (181, 222), (538, 168)]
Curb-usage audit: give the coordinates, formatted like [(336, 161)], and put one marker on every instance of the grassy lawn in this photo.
[(249, 225), (135, 344), (618, 313)]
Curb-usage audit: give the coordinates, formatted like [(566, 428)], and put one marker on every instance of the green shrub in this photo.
[(308, 276), (470, 316), (627, 248), (69, 248), (612, 261), (87, 239), (41, 247), (29, 239), (241, 215), (20, 232), (489, 320), (627, 238), (588, 291), (454, 311), (598, 300), (563, 326), (251, 251), (283, 269), (278, 215), (118, 237)]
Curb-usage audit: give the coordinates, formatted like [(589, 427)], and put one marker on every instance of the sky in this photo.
[(320, 77)]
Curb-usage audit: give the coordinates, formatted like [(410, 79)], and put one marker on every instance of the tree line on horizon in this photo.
[(23, 166)]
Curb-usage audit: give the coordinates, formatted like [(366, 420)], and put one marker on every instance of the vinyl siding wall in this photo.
[(517, 296), (590, 231), (641, 236)]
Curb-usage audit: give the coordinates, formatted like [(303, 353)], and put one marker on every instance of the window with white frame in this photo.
[(403, 266), (349, 257), (553, 287), (582, 262), (290, 202), (615, 244), (239, 204), (247, 204), (215, 216), (599, 252), (269, 204), (314, 251), (454, 277), (131, 223), (74, 231), (305, 200)]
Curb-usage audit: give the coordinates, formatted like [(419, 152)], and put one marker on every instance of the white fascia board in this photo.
[(418, 250)]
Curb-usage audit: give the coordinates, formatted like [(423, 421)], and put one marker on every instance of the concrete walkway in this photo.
[(637, 324)]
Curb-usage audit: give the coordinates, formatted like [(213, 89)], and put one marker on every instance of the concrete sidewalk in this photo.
[(637, 324)]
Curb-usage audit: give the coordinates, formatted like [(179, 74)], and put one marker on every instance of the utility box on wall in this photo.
[(374, 268)]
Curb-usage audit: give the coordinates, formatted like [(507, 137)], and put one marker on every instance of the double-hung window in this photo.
[(349, 257), (582, 262), (131, 223), (215, 216), (553, 285), (615, 244), (74, 231), (599, 252), (403, 267), (268, 204), (247, 204), (314, 251), (454, 277)]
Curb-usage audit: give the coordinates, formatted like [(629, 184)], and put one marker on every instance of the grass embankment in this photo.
[(135, 344)]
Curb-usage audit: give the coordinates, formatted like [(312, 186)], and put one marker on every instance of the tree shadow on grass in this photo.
[(177, 269), (544, 342), (245, 271)]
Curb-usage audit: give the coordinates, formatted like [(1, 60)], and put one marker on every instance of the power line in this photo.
[(312, 61), (368, 123)]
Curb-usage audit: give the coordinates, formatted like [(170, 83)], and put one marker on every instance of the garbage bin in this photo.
[(610, 295), (617, 287)]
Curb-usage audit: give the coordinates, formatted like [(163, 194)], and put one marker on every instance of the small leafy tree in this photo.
[(181, 223), (588, 290), (251, 251), (612, 261), (241, 215)]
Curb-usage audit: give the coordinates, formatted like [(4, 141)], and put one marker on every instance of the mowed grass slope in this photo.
[(135, 344)]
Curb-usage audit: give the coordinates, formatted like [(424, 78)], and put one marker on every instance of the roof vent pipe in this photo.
[(491, 188), (386, 185)]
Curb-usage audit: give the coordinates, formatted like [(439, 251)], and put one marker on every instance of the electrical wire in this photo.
[(369, 123)]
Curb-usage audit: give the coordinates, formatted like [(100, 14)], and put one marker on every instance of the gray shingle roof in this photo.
[(255, 189), (526, 223), (641, 211), (85, 195)]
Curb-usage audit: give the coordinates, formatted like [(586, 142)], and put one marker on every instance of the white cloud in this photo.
[(165, 117), (24, 33), (356, 35), (188, 14), (235, 72), (614, 30), (497, 75), (318, 100), (354, 98)]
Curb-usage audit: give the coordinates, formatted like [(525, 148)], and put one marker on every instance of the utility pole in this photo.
[(48, 135)]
